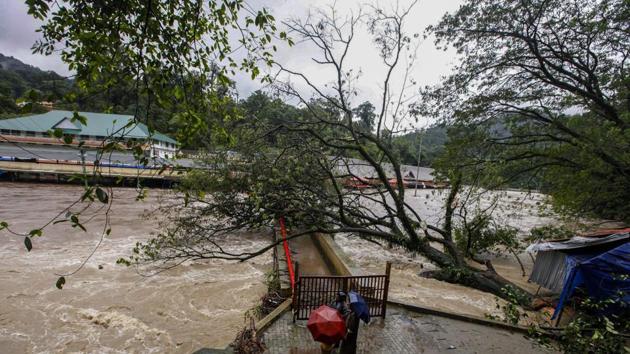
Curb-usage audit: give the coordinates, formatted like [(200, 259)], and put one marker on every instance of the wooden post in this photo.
[(296, 270), (388, 269), (294, 292)]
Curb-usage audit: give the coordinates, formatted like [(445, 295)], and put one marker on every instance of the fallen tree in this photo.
[(295, 167)]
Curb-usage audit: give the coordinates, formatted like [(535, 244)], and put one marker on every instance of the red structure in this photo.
[(287, 252)]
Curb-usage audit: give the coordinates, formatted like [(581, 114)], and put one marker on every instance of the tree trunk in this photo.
[(484, 280)]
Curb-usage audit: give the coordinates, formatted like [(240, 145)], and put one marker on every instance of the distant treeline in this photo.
[(20, 82)]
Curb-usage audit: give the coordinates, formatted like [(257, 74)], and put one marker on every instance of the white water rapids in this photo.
[(113, 309), (517, 209)]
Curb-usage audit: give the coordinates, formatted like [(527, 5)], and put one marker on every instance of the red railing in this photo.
[(287, 253)]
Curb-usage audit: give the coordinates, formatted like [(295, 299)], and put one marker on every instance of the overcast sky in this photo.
[(17, 35)]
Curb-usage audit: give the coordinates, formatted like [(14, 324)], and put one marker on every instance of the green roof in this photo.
[(98, 124)]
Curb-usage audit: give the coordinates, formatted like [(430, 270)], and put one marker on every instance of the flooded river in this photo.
[(107, 308), (520, 210)]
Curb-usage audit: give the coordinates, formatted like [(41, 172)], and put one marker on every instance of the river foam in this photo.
[(108, 308)]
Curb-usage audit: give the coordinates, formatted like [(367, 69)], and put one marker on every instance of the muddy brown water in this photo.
[(305, 252), (517, 209), (106, 308)]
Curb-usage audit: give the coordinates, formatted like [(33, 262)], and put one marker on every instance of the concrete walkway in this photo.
[(405, 332)]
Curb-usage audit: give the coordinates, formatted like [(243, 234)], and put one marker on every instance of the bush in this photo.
[(512, 313), (483, 235), (599, 327), (550, 232), (595, 330)]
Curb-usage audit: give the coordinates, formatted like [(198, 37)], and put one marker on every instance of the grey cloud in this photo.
[(18, 34)]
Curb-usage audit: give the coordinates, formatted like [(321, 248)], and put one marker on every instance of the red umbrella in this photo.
[(326, 325)]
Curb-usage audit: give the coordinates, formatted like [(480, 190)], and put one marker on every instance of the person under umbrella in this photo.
[(327, 326), (359, 306), (358, 310), (340, 303)]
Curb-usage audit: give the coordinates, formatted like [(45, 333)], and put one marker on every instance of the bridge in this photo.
[(61, 163)]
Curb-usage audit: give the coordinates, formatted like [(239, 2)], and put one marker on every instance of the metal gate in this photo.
[(312, 291)]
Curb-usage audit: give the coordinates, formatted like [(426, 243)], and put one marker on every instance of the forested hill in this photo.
[(20, 81), (432, 140), (23, 82)]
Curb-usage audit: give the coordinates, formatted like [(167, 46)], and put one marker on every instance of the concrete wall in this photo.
[(336, 259)]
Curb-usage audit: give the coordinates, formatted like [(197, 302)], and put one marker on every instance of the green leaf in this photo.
[(28, 243), (35, 232), (77, 223), (60, 282), (77, 117), (123, 261), (3, 225), (178, 92), (102, 195), (67, 139), (87, 195), (57, 133)]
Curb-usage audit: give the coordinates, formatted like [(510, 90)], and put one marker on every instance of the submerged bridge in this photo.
[(63, 163)]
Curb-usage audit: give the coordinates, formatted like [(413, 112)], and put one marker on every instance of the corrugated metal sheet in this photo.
[(98, 124), (577, 243), (550, 267), (605, 232), (549, 270), (363, 169)]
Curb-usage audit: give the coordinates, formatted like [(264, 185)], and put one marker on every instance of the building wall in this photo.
[(163, 150), (156, 149)]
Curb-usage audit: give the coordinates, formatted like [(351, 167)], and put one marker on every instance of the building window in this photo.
[(29, 133)]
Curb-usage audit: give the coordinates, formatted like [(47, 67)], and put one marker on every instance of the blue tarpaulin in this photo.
[(604, 275)]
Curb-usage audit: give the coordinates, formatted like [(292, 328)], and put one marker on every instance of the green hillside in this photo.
[(20, 81), (433, 140)]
